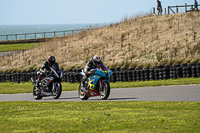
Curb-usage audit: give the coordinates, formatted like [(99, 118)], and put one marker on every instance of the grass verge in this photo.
[(17, 47), (26, 87), (115, 117)]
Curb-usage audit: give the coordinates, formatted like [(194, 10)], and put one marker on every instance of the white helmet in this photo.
[(96, 59)]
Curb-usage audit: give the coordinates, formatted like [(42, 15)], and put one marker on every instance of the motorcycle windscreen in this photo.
[(100, 73), (109, 72)]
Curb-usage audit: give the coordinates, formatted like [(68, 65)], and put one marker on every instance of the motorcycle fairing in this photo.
[(94, 79), (49, 79), (92, 93)]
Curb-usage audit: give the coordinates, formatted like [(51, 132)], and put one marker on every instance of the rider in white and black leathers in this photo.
[(51, 62), (94, 62)]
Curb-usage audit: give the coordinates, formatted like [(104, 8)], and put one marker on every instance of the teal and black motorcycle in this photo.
[(97, 84)]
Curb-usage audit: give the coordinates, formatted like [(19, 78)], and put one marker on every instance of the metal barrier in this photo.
[(40, 35), (175, 9), (170, 8)]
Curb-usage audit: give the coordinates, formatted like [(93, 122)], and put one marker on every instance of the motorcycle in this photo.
[(97, 84), (48, 86)]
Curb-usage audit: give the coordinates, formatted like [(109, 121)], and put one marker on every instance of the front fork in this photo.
[(33, 82), (100, 84)]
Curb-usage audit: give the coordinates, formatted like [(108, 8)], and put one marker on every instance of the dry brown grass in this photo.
[(142, 41)]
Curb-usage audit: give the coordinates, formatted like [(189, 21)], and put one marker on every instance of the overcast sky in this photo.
[(75, 11)]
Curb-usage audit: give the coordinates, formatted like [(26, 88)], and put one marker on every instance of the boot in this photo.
[(83, 87), (37, 84)]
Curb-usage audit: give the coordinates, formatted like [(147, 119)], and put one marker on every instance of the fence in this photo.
[(130, 75), (40, 35), (175, 9)]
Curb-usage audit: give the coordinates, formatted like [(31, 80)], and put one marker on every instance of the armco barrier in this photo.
[(133, 74)]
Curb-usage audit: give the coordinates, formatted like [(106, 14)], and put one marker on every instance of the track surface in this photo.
[(164, 93)]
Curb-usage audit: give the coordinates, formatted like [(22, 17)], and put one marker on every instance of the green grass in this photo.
[(181, 81), (27, 87), (109, 117), (12, 88), (16, 47)]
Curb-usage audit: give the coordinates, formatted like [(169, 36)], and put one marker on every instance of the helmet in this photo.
[(96, 59), (51, 59)]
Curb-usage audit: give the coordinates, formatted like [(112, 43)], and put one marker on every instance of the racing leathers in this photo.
[(90, 65), (46, 66)]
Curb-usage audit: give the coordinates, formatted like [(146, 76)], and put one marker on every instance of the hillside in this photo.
[(145, 41)]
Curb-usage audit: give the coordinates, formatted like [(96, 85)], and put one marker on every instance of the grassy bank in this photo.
[(100, 117), (145, 41), (12, 88), (18, 46)]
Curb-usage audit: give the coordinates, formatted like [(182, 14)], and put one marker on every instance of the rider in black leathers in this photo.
[(94, 62), (51, 62)]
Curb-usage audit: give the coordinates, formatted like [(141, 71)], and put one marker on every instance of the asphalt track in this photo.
[(164, 93)]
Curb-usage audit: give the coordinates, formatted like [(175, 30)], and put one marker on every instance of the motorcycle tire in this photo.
[(36, 96), (81, 94), (58, 90), (105, 91)]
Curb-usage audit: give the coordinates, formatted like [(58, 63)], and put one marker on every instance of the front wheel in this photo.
[(81, 94), (57, 91), (36, 94), (105, 91)]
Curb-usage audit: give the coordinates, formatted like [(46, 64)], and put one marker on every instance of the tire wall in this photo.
[(129, 75)]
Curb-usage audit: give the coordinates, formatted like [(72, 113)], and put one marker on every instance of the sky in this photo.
[(31, 12)]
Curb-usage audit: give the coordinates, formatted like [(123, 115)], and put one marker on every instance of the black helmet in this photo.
[(51, 59)]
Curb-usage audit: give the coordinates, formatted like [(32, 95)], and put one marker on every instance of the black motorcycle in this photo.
[(48, 86)]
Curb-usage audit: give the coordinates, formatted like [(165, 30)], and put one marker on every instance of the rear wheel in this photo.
[(81, 94), (105, 91), (57, 91), (36, 94)]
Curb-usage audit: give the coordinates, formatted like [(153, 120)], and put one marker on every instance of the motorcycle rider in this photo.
[(51, 62), (93, 63)]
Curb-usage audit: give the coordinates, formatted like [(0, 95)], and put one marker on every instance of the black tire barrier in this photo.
[(71, 78), (7, 77), (189, 71), (194, 71), (117, 75), (179, 72), (125, 76), (184, 72), (134, 77), (160, 73), (117, 68), (121, 76), (147, 74), (174, 76), (151, 74), (165, 73), (198, 71), (132, 74), (156, 74), (138, 74), (142, 75), (77, 77), (113, 77), (18, 78)]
